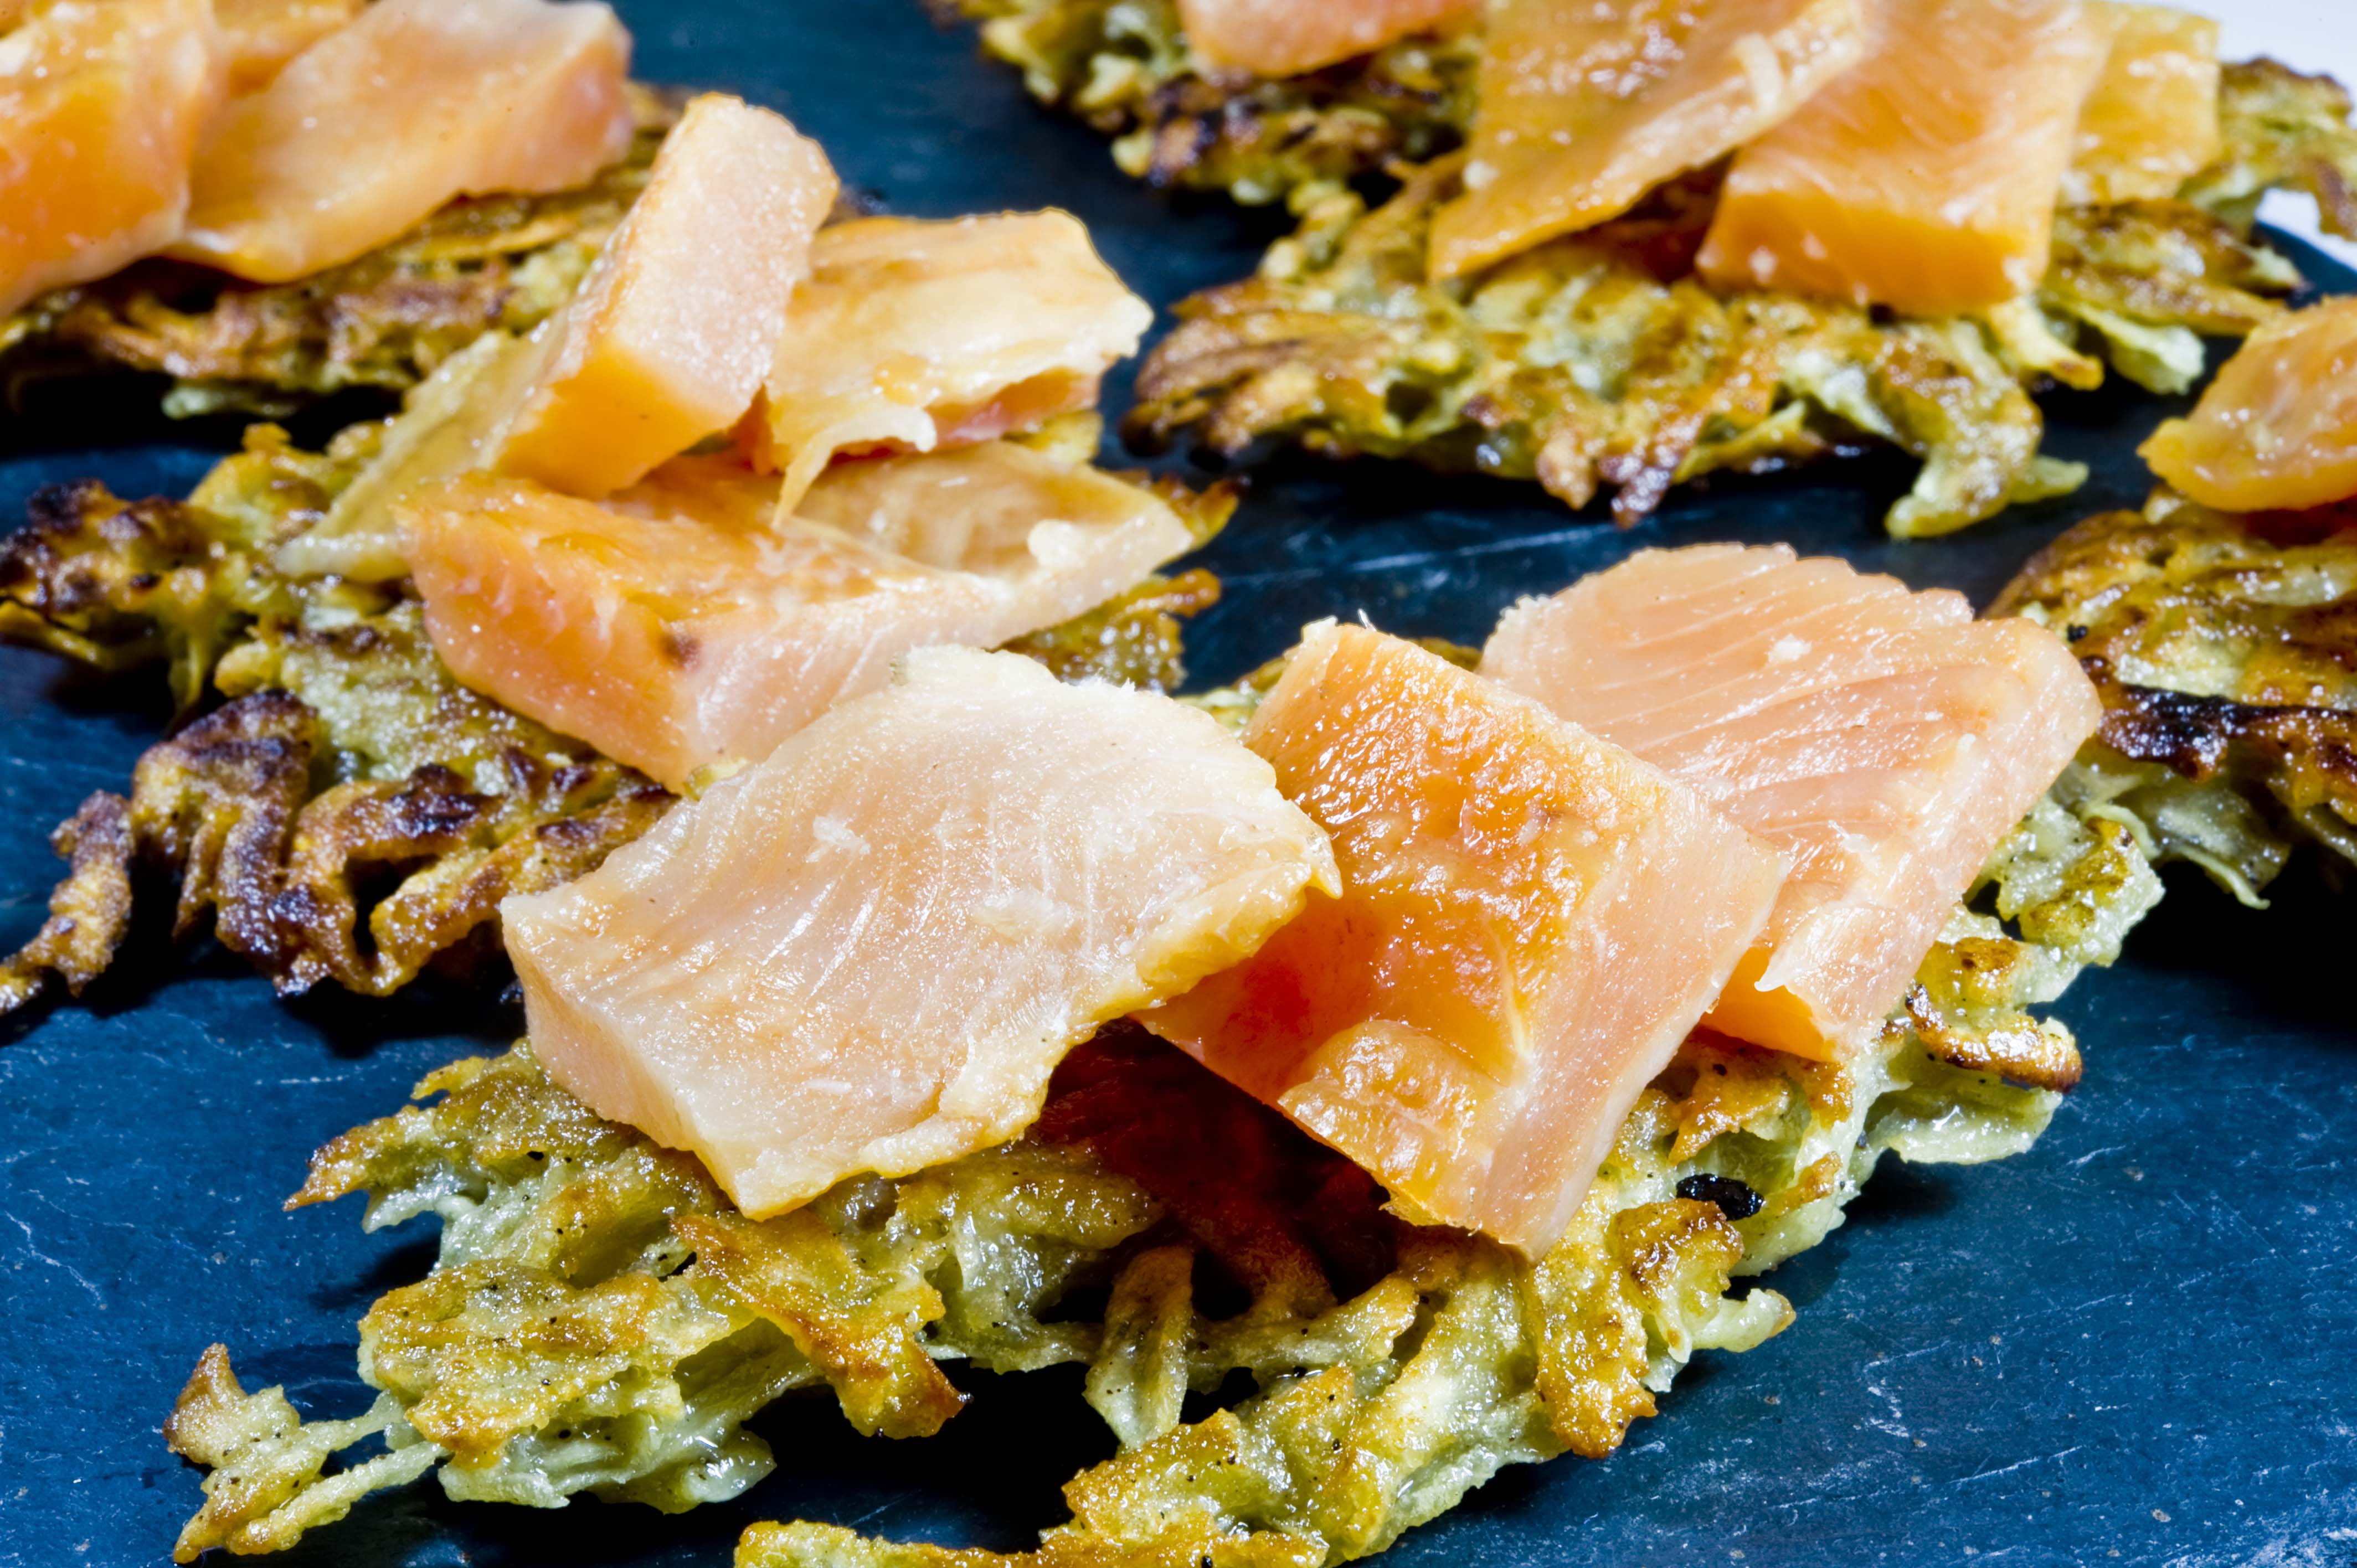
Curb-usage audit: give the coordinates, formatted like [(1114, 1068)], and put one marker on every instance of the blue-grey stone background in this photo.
[(2134, 1345)]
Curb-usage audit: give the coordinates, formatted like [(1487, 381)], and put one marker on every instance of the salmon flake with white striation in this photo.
[(910, 335), (1886, 738), (869, 951), (679, 626), (1532, 921)]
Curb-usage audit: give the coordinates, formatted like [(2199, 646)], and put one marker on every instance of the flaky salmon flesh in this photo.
[(911, 335), (1286, 38), (2151, 122), (100, 109), (1584, 108), (669, 338), (1884, 738), (884, 335), (328, 162), (1925, 176), (869, 951), (680, 624), (2276, 429), (1529, 923), (259, 36)]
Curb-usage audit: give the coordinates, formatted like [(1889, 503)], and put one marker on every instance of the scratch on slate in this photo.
[(76, 1274), (1409, 558), (2017, 1464)]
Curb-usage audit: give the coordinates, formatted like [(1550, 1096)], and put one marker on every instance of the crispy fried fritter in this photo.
[(88, 911), (1134, 638), (237, 809), (1598, 360), (353, 813), (2283, 131), (600, 1319), (1123, 66), (2225, 648), (2150, 280), (384, 320)]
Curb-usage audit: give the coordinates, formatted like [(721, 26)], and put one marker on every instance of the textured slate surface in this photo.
[(2134, 1341)]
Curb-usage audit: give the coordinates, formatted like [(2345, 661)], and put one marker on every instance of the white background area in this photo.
[(2307, 35)]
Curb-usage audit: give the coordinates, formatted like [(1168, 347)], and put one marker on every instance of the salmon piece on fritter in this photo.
[(413, 103), (2151, 122), (911, 335), (1585, 108), (2276, 429), (673, 330), (680, 624), (1882, 737), (869, 951), (665, 344), (1286, 37), (1531, 921), (1924, 177), (100, 109)]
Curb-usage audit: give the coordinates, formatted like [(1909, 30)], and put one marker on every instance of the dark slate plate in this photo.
[(2134, 1345)]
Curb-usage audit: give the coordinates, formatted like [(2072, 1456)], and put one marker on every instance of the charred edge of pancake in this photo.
[(2019, 1052), (41, 570), (309, 883), (2192, 736), (89, 911), (1734, 1199), (2217, 613)]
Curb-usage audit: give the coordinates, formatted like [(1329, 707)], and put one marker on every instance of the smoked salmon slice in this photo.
[(2151, 122), (1924, 177), (869, 951), (410, 105), (676, 324), (2276, 429), (666, 342), (911, 335), (680, 624), (101, 109), (259, 37), (1531, 920), (1286, 37), (1883, 738), (1584, 108)]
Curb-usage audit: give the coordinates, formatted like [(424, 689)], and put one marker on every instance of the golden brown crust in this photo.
[(2225, 650), (352, 813), (1130, 75), (88, 911), (1598, 361), (584, 1271), (228, 809)]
